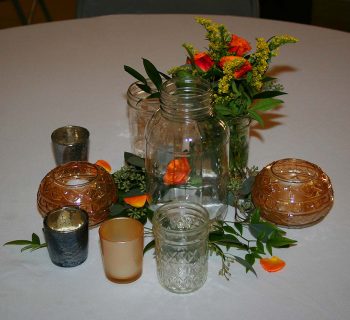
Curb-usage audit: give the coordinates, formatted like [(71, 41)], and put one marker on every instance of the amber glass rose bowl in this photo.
[(293, 193), (78, 183)]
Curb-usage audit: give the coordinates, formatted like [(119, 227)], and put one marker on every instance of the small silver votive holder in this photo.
[(70, 143)]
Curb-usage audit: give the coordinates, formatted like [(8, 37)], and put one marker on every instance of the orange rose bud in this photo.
[(239, 46), (240, 72), (177, 171), (272, 264), (203, 61), (136, 201), (104, 164)]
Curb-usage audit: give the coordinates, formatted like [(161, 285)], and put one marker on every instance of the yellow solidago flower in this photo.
[(280, 40), (218, 37), (229, 69), (277, 41), (190, 49), (223, 99), (260, 63)]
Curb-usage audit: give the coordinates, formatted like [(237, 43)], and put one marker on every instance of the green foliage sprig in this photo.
[(261, 239), (131, 181), (31, 245), (153, 84), (239, 187)]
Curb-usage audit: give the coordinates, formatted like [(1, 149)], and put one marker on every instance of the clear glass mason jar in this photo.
[(181, 242), (140, 111), (187, 148)]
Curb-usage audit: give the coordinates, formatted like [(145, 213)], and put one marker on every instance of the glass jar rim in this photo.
[(84, 169), (135, 94), (303, 171), (189, 206), (195, 88)]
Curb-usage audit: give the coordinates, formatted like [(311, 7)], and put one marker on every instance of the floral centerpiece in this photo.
[(238, 75), (240, 84), (241, 90)]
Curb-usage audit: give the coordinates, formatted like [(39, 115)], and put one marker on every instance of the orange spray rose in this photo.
[(177, 171), (203, 61), (239, 46)]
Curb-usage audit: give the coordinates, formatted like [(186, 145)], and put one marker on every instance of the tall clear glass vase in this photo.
[(239, 141), (187, 149)]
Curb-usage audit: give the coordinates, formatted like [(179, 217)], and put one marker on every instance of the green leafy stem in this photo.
[(154, 76), (263, 237), (31, 245)]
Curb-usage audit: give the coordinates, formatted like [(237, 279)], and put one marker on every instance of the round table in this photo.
[(71, 72)]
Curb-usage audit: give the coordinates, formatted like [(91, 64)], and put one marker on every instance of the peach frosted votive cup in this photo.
[(122, 249)]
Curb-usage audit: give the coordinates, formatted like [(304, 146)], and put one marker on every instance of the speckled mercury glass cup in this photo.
[(70, 143), (122, 249), (181, 232), (66, 234)]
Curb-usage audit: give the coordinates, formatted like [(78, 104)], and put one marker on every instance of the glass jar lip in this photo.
[(295, 176), (136, 94), (88, 174), (201, 90), (195, 207)]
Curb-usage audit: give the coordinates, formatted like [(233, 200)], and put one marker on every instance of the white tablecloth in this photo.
[(72, 73)]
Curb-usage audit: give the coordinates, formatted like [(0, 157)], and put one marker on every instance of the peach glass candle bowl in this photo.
[(78, 183), (293, 193), (122, 249)]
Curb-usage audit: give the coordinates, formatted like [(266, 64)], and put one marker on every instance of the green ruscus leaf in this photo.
[(32, 245), (153, 73), (265, 104), (135, 74), (149, 246)]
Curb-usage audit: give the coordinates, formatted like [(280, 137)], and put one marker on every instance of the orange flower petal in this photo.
[(177, 171), (239, 45), (272, 264), (136, 201), (203, 61), (104, 164)]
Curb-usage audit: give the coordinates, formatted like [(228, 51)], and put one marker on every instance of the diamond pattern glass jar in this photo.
[(181, 239)]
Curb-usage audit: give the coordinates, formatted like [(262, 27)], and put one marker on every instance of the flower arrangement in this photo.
[(238, 75), (239, 80)]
